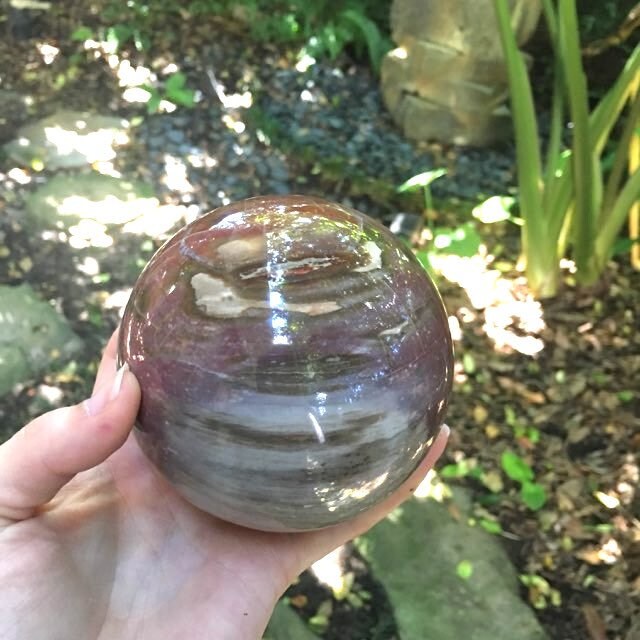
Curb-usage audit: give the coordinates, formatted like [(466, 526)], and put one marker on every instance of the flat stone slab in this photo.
[(68, 139), (85, 205), (13, 113), (33, 335), (417, 553), (286, 624)]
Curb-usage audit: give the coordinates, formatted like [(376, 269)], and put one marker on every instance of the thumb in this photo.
[(43, 456)]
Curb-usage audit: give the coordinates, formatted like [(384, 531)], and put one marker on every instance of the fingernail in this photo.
[(99, 400), (442, 432), (117, 383)]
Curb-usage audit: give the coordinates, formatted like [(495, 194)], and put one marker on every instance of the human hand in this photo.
[(95, 544)]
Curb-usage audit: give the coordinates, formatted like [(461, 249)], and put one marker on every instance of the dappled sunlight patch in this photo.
[(89, 266), (106, 168), (622, 492), (471, 274), (399, 53), (136, 94), (95, 146), (176, 175), (305, 62), (199, 159), (459, 374), (54, 236), (53, 395), (331, 572), (109, 210), (607, 552), (166, 106), (114, 301), (68, 139), (506, 319), (454, 328), (628, 482), (513, 319), (117, 300), (130, 76), (224, 198), (609, 500), (150, 219), (19, 175), (141, 84), (87, 207), (229, 101), (89, 233), (48, 52), (233, 123), (432, 487), (162, 220)]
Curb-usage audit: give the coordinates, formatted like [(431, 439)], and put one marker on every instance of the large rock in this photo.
[(416, 553), (13, 113), (425, 120), (467, 26), (447, 79), (33, 336), (69, 139), (86, 204)]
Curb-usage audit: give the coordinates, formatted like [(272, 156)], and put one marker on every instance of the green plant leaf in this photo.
[(154, 102), (453, 471), (532, 434), (605, 115), (117, 35), (608, 233), (331, 40), (494, 209), (462, 241), (421, 180), (141, 41), (464, 569), (424, 260), (183, 97), (373, 38), (625, 396), (491, 526), (558, 197), (461, 469), (587, 189), (515, 467), (538, 247), (623, 245), (82, 34), (175, 82), (619, 158), (177, 92), (468, 363), (533, 495)]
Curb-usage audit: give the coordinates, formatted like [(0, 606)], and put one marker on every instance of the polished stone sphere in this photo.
[(294, 358)]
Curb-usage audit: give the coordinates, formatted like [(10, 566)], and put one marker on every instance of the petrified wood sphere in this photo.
[(294, 359)]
